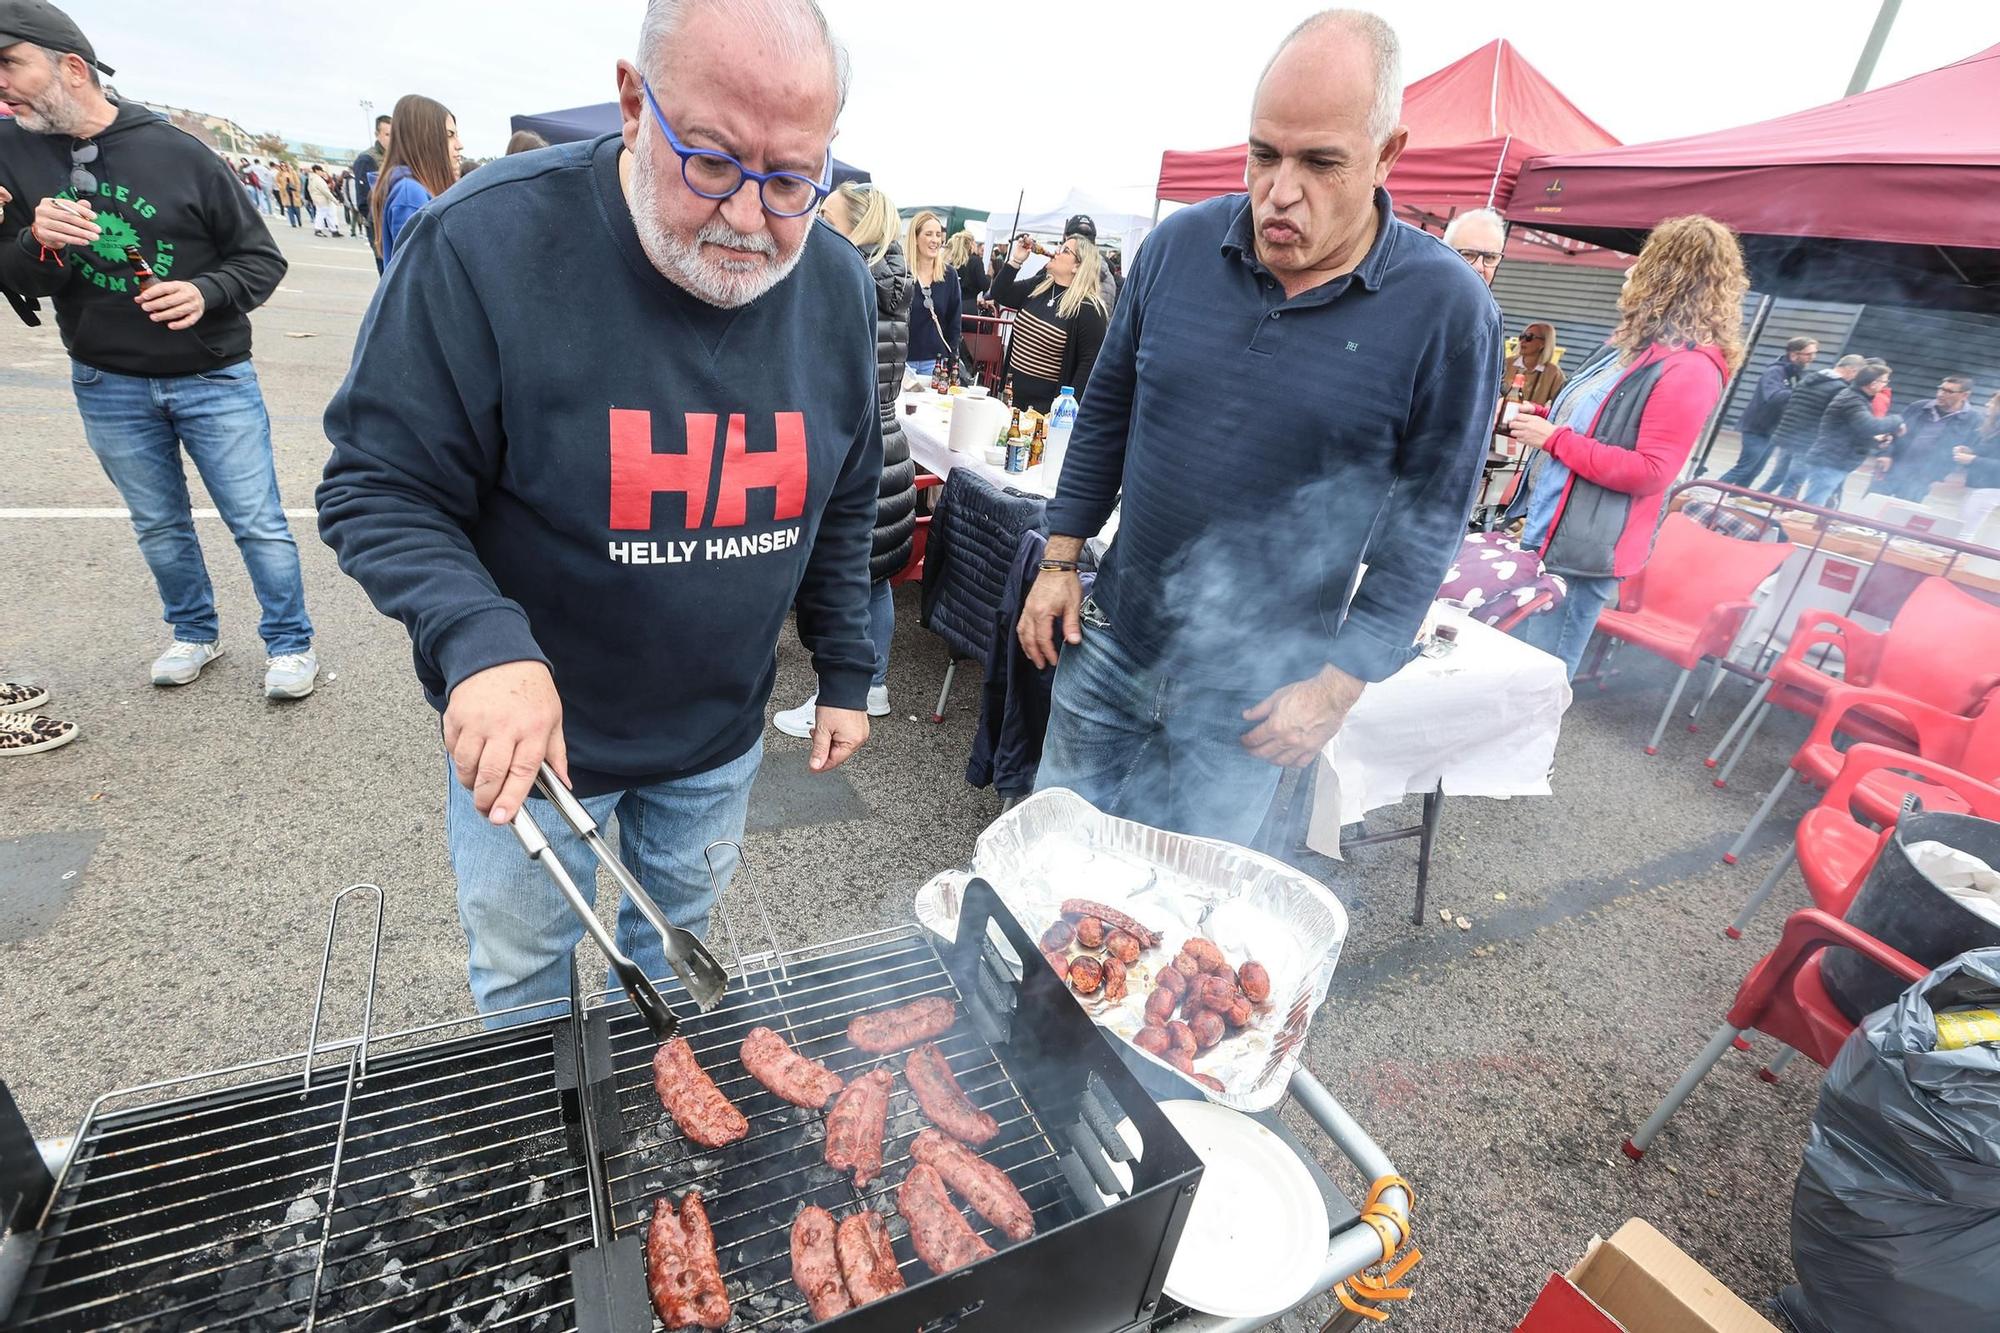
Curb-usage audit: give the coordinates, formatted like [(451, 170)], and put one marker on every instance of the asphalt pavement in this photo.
[(164, 881)]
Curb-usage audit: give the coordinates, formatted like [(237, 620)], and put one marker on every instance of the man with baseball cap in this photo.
[(154, 257)]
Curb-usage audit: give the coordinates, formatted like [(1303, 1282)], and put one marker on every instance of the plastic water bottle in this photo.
[(1062, 420)]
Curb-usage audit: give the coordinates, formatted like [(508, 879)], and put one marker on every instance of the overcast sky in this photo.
[(961, 110)]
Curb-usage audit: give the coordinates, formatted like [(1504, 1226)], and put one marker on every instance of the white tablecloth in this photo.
[(929, 427), (1483, 720)]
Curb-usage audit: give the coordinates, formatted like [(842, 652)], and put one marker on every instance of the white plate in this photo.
[(1256, 1238)]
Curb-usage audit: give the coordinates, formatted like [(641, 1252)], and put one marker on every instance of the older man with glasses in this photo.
[(154, 257), (1480, 237), (611, 418)]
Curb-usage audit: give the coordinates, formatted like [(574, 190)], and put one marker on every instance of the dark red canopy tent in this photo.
[(1472, 126), (1890, 196)]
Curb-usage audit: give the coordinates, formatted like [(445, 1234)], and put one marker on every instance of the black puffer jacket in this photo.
[(896, 506)]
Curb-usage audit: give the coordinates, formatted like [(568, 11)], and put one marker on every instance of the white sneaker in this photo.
[(799, 721), (290, 675), (183, 661)]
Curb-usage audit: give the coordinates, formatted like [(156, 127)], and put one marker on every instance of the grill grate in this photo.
[(210, 1212), (450, 1177), (755, 1187)]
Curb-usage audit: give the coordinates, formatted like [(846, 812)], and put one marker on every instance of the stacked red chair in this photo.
[(1783, 998), (1942, 649), (1690, 601)]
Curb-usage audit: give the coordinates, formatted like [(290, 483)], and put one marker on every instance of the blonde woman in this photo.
[(1061, 321), (963, 256), (1619, 432), (934, 317), (863, 214)]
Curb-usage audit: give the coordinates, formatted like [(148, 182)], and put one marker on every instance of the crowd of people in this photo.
[(741, 365)]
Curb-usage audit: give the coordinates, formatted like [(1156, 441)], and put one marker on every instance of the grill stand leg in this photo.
[(608, 1276), (944, 691)]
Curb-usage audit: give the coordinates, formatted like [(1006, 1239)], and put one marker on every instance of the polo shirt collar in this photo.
[(1239, 242)]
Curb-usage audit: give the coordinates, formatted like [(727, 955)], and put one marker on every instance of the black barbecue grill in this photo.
[(451, 1177)]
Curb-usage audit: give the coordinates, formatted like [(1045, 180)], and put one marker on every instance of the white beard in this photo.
[(727, 283), (54, 112)]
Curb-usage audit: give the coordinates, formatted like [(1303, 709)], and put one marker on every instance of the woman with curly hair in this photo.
[(1619, 432)]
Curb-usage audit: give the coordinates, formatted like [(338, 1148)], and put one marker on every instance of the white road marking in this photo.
[(124, 513)]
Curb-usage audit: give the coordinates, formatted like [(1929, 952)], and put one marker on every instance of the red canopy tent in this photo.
[(1472, 126), (1889, 195)]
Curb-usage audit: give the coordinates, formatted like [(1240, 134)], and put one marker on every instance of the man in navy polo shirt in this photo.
[(1294, 385)]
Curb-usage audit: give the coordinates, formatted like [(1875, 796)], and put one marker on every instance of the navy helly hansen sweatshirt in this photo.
[(546, 451)]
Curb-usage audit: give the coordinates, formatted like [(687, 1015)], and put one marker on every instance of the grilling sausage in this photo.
[(977, 1181), (691, 1097), (945, 1103), (1086, 974), (854, 1126), (681, 1270), (867, 1262), (1090, 933), (1207, 1028), (1112, 917), (800, 1081), (944, 1239), (889, 1030), (815, 1269)]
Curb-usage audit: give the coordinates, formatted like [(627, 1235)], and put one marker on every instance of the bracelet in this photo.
[(1053, 566)]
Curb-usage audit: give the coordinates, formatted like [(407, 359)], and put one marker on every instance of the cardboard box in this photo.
[(1639, 1282)]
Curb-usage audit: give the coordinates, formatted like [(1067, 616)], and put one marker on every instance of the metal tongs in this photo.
[(703, 977)]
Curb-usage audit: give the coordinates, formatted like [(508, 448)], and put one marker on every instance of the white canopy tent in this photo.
[(1116, 216)]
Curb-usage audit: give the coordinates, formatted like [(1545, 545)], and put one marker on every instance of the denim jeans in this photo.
[(138, 426), (1785, 474), (519, 932), (1565, 632), (1823, 484), (1138, 743), (1756, 450), (881, 628), (922, 369)]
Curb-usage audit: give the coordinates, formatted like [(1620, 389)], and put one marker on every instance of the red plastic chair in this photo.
[(913, 569), (1943, 649), (1690, 600), (1783, 998), (1969, 745), (1835, 851)]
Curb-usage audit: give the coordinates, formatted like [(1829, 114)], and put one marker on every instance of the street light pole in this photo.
[(1864, 69)]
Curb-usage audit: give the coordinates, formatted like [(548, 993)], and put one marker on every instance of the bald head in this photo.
[(791, 31), (1362, 48)]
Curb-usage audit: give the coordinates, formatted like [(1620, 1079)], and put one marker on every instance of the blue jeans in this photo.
[(922, 369), (1823, 484), (1565, 632), (1138, 743), (1756, 450), (138, 426), (881, 627), (519, 932)]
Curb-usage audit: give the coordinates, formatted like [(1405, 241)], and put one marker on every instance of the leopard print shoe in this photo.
[(20, 698), (30, 733)]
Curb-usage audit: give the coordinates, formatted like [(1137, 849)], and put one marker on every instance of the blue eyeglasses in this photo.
[(717, 175)]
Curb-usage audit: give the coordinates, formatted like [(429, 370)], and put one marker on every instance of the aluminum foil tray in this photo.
[(1056, 845)]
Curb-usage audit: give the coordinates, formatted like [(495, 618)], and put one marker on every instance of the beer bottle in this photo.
[(1014, 427), (1039, 443), (142, 272), (1510, 406)]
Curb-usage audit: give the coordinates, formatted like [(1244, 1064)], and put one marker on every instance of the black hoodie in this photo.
[(160, 189)]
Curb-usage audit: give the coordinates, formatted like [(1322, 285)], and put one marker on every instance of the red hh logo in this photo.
[(638, 473)]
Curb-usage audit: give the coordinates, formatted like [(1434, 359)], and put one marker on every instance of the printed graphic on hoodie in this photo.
[(715, 460), (121, 215)]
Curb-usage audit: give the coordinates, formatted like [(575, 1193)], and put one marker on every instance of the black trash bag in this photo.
[(1896, 1217)]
